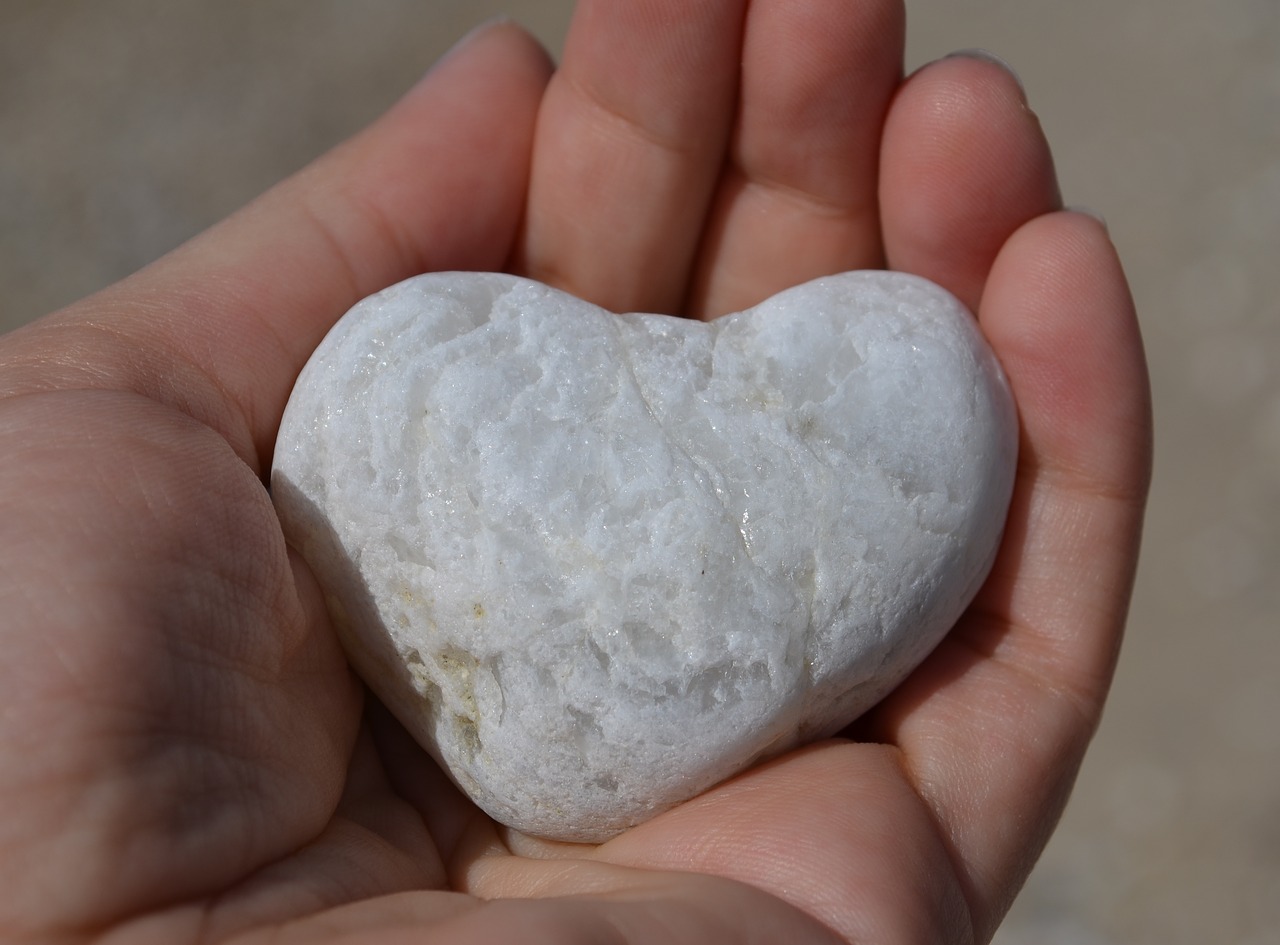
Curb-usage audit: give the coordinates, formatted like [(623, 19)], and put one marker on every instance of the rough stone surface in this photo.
[(598, 563)]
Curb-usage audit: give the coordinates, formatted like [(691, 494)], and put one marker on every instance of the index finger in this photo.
[(220, 327)]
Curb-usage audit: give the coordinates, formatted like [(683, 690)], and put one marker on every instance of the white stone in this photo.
[(597, 564)]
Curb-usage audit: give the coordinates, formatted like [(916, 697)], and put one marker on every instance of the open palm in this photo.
[(184, 754)]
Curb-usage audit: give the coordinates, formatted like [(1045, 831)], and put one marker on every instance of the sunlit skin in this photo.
[(184, 754)]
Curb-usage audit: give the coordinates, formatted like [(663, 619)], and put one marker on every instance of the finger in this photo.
[(798, 198), (834, 829), (630, 139), (594, 901), (621, 907), (993, 726), (964, 164), (221, 327)]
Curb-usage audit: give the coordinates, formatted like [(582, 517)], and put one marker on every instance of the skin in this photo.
[(184, 754)]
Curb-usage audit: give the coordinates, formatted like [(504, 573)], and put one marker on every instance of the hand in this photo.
[(184, 755)]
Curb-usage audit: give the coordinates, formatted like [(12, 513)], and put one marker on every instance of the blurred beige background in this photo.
[(128, 125)]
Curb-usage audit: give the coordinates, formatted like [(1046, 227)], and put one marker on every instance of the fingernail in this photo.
[(474, 33), (1089, 212), (985, 55)]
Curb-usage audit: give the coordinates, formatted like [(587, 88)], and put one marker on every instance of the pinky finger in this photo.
[(994, 724)]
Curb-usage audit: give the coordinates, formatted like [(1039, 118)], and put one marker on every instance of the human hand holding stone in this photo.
[(183, 751)]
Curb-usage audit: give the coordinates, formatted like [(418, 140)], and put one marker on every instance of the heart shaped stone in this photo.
[(597, 563)]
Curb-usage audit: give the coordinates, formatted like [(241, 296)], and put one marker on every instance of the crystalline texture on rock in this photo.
[(597, 563)]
